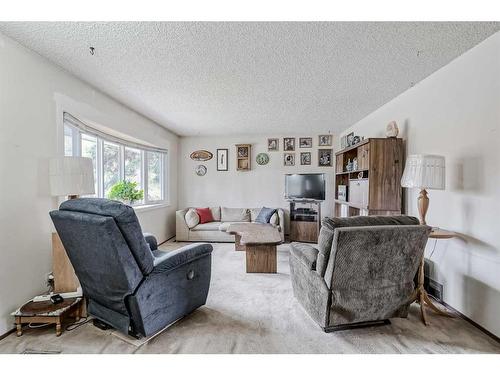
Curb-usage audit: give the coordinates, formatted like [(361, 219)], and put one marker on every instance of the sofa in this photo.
[(215, 231), (129, 283), (361, 272)]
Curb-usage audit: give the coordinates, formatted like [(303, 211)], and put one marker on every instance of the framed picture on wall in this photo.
[(222, 156), (288, 159), (325, 157), (288, 144), (325, 140), (305, 158), (305, 142), (273, 144)]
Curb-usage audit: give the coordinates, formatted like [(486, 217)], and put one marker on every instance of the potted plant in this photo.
[(126, 192)]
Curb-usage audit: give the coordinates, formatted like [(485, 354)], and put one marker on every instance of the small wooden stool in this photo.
[(47, 312)]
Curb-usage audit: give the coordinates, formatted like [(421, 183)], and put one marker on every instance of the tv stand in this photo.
[(305, 220)]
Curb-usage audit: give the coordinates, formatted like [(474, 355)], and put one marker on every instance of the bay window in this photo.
[(117, 160)]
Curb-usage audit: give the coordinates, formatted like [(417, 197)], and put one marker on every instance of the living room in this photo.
[(250, 187)]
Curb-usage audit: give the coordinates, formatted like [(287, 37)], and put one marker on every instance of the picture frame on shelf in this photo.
[(325, 157), (288, 159), (305, 158), (325, 140), (288, 144), (305, 142), (273, 144), (222, 159), (350, 139)]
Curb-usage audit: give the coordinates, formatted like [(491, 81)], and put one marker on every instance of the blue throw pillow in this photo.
[(265, 215)]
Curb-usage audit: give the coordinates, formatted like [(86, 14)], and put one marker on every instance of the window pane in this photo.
[(68, 141), (133, 166), (110, 165), (154, 176), (89, 150)]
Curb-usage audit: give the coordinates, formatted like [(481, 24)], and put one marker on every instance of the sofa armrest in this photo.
[(151, 240), (168, 261), (281, 223), (181, 228), (304, 253)]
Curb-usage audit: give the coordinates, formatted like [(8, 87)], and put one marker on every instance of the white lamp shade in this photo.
[(71, 175), (424, 172)]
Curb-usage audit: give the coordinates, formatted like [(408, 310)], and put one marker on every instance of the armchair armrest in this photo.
[(168, 261), (306, 254), (151, 240)]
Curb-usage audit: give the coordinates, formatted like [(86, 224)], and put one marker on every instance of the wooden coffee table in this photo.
[(259, 242)]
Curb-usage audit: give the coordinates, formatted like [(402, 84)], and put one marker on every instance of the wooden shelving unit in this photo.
[(243, 157), (374, 188)]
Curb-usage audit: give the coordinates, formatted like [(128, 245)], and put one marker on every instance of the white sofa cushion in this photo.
[(215, 213), (213, 225), (223, 226), (192, 218), (275, 219), (235, 214), (254, 212)]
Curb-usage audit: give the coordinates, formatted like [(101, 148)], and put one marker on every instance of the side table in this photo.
[(47, 312), (420, 294)]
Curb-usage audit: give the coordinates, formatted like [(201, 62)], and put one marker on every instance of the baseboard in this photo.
[(470, 321), (7, 333)]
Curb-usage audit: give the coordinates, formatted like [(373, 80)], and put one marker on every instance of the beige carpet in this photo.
[(257, 313)]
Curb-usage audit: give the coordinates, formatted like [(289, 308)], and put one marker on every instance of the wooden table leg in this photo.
[(58, 326), (423, 298), (19, 327), (261, 259)]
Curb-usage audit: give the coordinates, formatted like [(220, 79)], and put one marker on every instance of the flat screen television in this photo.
[(305, 186)]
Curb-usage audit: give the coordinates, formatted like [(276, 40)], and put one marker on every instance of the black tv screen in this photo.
[(305, 186)]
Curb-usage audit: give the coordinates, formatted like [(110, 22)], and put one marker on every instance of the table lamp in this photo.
[(71, 176), (424, 172)]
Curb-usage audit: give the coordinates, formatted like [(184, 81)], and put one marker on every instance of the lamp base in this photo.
[(423, 205)]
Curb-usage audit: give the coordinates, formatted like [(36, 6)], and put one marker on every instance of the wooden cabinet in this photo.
[(243, 157), (339, 163), (305, 220), (374, 188), (363, 156)]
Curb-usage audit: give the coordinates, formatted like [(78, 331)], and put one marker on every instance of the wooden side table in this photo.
[(420, 294), (47, 312)]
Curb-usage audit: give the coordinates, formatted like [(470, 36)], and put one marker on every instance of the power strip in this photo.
[(46, 297)]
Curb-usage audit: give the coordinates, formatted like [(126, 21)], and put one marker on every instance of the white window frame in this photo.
[(77, 133)]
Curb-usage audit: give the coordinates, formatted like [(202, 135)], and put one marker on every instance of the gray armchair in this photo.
[(129, 283), (362, 271)]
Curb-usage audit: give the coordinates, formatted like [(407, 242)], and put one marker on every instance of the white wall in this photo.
[(33, 94), (263, 185), (455, 112)]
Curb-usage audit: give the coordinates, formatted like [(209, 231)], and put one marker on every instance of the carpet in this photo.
[(257, 313)]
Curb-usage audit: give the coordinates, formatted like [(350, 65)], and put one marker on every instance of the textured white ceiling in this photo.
[(251, 78)]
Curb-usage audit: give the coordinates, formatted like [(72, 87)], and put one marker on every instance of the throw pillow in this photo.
[(205, 215), (192, 218), (265, 215), (275, 219)]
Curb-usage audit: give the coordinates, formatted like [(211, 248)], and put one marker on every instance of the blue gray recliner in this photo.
[(129, 283)]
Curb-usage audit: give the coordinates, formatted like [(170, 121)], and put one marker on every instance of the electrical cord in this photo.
[(78, 324), (433, 249)]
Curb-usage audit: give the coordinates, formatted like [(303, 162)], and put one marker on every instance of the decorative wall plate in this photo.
[(200, 170), (201, 155), (262, 158)]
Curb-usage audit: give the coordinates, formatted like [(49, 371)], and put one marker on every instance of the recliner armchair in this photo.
[(129, 283), (362, 271)]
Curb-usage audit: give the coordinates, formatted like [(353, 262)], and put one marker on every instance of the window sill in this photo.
[(149, 207)]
